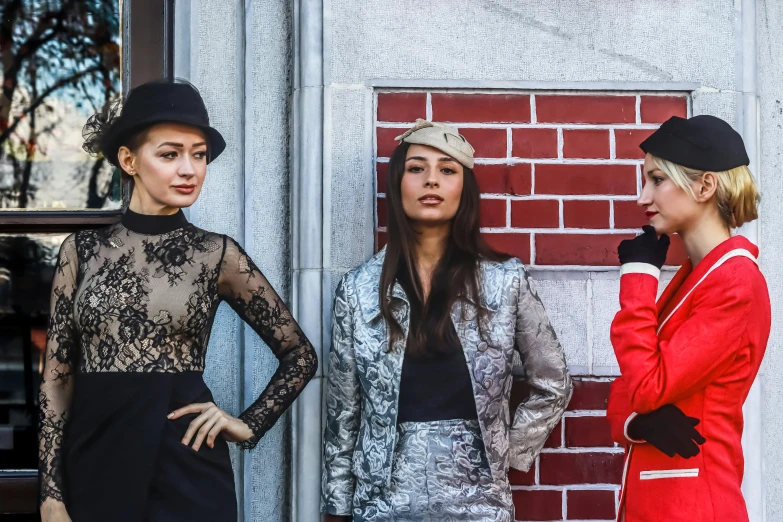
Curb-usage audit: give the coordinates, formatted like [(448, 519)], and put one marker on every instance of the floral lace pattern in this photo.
[(123, 301)]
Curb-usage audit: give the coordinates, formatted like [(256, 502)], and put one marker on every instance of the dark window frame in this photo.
[(147, 53)]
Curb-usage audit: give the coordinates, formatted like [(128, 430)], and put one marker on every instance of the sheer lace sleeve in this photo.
[(58, 373), (244, 287)]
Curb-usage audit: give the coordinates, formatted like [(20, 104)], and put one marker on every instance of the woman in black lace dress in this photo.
[(129, 431)]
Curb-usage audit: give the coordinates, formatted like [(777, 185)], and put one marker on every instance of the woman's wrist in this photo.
[(53, 509), (247, 431)]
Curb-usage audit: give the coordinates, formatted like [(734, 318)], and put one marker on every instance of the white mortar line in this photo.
[(564, 500), (561, 231), (538, 469), (532, 179), (585, 413), (576, 487), (560, 216), (508, 212), (611, 213), (612, 145), (567, 126), (589, 324), (638, 180), (557, 161), (428, 109), (565, 197), (638, 109), (572, 451), (562, 432), (533, 116), (546, 161), (559, 144), (532, 249), (508, 142)]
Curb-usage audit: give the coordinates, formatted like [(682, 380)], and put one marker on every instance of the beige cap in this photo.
[(442, 137)]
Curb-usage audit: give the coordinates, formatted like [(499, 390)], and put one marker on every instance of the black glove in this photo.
[(669, 430), (644, 248)]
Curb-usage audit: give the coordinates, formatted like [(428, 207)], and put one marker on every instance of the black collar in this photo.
[(153, 223)]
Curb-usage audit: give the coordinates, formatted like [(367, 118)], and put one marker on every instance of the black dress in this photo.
[(132, 309)]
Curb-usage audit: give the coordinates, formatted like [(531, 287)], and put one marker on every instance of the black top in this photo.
[(139, 298), (436, 388), (153, 224)]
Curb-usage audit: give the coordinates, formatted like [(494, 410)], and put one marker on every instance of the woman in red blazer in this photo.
[(688, 361)]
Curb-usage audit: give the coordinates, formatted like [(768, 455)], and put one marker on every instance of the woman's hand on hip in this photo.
[(54, 511), (211, 422)]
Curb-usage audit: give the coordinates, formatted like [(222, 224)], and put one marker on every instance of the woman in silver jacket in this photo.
[(424, 337)]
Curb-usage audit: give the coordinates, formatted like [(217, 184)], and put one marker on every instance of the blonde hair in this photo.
[(736, 195)]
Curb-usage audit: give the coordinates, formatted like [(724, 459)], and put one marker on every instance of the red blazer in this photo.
[(698, 348)]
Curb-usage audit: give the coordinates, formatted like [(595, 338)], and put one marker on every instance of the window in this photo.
[(62, 60)]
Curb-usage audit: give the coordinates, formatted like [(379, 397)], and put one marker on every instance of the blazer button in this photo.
[(376, 489)]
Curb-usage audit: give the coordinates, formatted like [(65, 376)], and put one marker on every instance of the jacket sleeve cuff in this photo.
[(631, 417), (341, 508), (640, 268), (522, 461)]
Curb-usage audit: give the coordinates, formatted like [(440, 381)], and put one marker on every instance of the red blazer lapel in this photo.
[(665, 302), (686, 278)]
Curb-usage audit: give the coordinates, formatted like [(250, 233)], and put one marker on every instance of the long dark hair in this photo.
[(456, 276)]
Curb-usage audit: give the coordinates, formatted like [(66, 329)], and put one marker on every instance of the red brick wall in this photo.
[(559, 173), (577, 475)]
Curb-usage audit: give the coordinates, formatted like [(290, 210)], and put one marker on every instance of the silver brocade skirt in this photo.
[(440, 474)]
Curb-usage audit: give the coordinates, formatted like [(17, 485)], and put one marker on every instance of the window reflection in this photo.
[(61, 63), (27, 264)]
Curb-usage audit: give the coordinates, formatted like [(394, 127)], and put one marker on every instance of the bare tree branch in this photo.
[(54, 87)]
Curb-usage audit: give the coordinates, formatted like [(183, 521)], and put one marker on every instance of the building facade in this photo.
[(555, 96)]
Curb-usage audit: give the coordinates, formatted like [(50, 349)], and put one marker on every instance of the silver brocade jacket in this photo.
[(364, 377)]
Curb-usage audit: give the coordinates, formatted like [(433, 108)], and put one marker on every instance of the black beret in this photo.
[(702, 143)]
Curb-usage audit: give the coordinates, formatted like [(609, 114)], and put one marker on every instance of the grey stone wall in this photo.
[(239, 55), (770, 82)]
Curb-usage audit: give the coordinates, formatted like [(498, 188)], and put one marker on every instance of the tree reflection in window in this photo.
[(61, 63)]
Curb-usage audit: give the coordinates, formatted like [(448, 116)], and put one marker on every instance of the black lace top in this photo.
[(141, 296)]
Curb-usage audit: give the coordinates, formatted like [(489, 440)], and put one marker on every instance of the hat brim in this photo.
[(114, 140)]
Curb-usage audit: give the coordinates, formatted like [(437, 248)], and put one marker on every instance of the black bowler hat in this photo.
[(702, 143), (159, 101)]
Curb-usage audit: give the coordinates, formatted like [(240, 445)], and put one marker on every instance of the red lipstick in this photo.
[(650, 214)]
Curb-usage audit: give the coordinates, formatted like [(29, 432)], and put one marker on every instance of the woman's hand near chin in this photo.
[(54, 511)]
